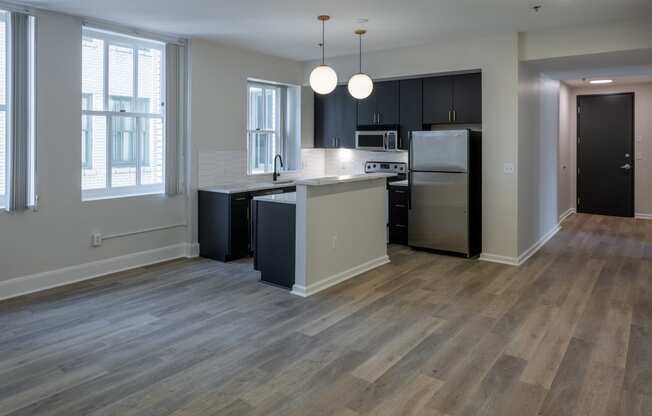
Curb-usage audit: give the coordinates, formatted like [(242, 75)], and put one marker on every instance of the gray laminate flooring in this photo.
[(568, 333)]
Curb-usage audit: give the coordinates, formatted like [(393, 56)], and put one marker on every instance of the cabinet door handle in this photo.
[(399, 225), (380, 118), (450, 115), (401, 192), (454, 115), (243, 198)]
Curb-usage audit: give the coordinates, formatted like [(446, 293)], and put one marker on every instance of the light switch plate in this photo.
[(508, 168)]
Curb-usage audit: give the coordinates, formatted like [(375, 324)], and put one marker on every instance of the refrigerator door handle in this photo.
[(409, 175)]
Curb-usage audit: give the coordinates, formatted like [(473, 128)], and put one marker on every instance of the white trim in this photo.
[(335, 279), (46, 280), (641, 216), (537, 246), (495, 258), (520, 260), (568, 213)]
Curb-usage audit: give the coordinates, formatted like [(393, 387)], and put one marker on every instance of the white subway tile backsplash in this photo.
[(230, 166)]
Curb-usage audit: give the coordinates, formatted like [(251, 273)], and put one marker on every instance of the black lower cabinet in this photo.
[(274, 242), (225, 223), (398, 214)]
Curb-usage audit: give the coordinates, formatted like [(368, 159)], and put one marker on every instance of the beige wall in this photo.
[(587, 39), (565, 198), (58, 235), (538, 126), (497, 57), (642, 140)]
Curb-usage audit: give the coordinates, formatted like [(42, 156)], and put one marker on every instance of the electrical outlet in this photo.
[(508, 168), (96, 239), (334, 241)]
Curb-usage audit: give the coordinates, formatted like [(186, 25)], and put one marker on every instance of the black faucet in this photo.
[(276, 174)]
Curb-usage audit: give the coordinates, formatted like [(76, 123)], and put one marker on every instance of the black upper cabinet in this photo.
[(335, 119), (382, 106), (453, 99), (410, 111), (467, 98), (437, 100)]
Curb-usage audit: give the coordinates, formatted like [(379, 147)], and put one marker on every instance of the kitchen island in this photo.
[(339, 229)]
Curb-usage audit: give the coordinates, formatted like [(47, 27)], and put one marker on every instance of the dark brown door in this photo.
[(605, 154)]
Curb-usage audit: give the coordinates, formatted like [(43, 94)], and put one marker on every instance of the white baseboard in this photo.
[(495, 258), (642, 216), (193, 250), (566, 214), (537, 246), (47, 280), (518, 261), (335, 279)]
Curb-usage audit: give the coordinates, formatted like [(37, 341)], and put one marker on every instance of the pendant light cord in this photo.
[(323, 23), (360, 53)]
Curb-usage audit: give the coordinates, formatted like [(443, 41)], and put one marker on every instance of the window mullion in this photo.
[(109, 152)]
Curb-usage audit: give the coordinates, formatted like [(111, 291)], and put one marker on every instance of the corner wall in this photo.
[(566, 143), (538, 126), (218, 106)]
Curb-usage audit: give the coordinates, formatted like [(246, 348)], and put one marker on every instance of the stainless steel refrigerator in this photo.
[(445, 191)]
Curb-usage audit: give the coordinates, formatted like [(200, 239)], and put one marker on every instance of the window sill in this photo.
[(90, 196)]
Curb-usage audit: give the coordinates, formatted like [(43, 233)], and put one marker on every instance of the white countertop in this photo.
[(236, 188), (333, 180), (286, 198)]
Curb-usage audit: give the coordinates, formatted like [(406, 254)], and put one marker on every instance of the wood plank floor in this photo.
[(569, 333)]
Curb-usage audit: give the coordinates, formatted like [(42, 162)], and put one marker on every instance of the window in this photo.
[(272, 126), (3, 108), (122, 115)]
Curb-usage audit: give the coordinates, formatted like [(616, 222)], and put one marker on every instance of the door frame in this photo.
[(632, 139)]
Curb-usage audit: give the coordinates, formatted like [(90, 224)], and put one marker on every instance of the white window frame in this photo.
[(278, 123), (133, 43), (5, 108)]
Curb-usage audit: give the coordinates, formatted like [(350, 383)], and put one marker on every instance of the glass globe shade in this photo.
[(360, 86), (323, 79)]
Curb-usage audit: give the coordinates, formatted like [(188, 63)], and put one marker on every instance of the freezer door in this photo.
[(440, 151), (438, 216)]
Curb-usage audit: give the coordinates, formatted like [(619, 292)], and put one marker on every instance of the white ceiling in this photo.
[(584, 83), (289, 28)]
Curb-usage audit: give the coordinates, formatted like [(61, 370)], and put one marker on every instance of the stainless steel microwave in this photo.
[(377, 141)]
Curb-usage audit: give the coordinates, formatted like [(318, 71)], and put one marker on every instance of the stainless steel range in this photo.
[(399, 168), (401, 171)]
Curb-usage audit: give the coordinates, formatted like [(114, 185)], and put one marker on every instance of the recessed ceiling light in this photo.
[(601, 81)]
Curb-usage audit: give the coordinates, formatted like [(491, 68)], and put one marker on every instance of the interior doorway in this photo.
[(605, 154)]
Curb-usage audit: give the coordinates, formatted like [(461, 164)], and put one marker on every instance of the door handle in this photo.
[(454, 115), (450, 115), (626, 166)]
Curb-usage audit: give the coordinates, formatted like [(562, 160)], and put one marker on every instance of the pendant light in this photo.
[(323, 78), (360, 85)]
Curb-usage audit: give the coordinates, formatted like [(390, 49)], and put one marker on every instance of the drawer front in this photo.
[(398, 197), (398, 216), (398, 235)]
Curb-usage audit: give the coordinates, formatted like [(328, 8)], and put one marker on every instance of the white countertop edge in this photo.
[(334, 180), (286, 198)]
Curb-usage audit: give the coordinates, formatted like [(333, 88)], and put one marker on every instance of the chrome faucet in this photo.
[(276, 173)]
